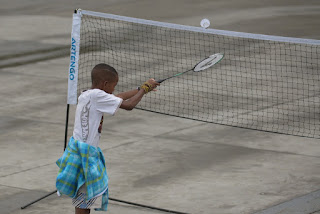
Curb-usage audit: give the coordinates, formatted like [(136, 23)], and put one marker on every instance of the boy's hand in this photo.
[(153, 83), (149, 85)]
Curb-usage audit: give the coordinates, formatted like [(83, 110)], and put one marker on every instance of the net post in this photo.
[(77, 10), (66, 128)]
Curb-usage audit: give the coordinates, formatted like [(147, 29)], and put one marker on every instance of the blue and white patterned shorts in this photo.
[(80, 200)]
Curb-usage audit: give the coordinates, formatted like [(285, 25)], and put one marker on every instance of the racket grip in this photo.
[(160, 81)]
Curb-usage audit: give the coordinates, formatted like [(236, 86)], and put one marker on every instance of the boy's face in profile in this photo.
[(110, 85)]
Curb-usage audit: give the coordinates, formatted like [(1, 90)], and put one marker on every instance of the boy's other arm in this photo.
[(133, 97)]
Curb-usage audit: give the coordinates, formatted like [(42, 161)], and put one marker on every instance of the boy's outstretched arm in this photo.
[(133, 97), (128, 94)]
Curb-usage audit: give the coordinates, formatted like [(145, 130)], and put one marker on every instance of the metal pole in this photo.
[(146, 206), (66, 129)]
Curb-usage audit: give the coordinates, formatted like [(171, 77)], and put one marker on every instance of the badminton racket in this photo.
[(202, 65)]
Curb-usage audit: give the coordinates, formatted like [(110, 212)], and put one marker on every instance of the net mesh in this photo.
[(263, 85)]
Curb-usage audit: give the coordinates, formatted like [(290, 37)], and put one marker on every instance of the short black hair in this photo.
[(103, 72)]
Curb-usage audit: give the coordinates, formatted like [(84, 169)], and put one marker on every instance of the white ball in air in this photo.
[(205, 23)]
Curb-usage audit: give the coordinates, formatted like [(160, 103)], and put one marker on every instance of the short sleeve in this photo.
[(107, 103)]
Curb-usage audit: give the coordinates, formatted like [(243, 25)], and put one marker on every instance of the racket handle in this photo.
[(160, 81)]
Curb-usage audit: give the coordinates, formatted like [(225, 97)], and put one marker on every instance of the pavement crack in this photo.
[(28, 53), (33, 57), (154, 136), (14, 173), (15, 187), (252, 148)]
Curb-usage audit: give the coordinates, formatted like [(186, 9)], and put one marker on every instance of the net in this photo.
[(264, 83)]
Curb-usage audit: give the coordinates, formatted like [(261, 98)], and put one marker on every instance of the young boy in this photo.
[(82, 173)]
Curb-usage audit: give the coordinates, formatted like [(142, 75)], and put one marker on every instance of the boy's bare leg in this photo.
[(82, 211)]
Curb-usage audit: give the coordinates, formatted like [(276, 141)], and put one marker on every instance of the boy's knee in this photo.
[(81, 211)]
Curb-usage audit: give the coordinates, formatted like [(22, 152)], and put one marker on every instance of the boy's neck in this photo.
[(100, 88), (96, 87)]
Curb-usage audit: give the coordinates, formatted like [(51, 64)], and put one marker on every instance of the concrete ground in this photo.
[(152, 159)]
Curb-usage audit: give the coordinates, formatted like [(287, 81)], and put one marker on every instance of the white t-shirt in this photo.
[(91, 106)]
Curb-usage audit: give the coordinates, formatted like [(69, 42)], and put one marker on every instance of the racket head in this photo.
[(208, 62)]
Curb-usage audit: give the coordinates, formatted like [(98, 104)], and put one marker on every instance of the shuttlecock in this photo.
[(205, 23)]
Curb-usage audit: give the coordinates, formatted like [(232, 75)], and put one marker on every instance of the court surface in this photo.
[(152, 159)]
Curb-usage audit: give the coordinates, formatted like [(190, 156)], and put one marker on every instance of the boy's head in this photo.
[(104, 77)]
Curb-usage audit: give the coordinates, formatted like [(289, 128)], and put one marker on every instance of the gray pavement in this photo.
[(152, 159)]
